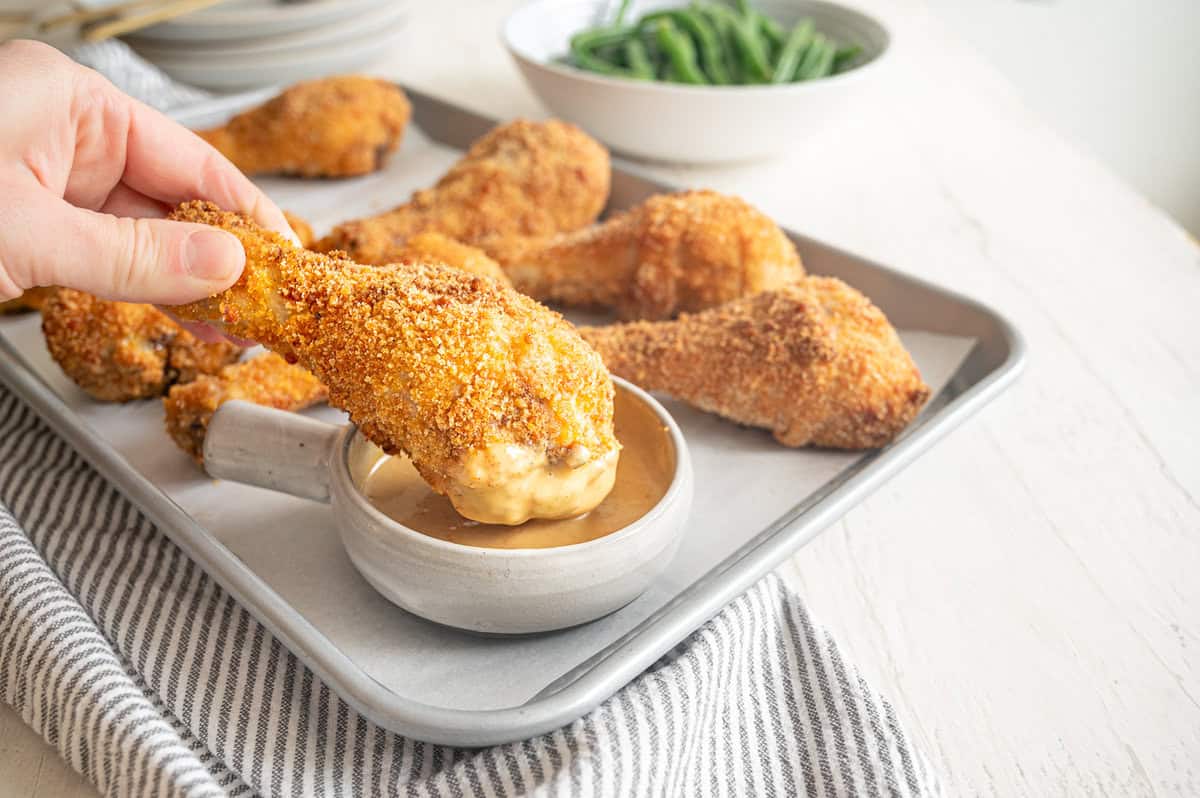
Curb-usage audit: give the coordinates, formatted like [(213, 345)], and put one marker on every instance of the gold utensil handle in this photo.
[(161, 13)]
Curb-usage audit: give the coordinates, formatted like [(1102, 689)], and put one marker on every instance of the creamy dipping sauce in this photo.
[(644, 472)]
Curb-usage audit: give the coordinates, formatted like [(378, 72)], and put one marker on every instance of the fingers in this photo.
[(153, 155), (167, 162), (206, 332), (124, 201), (210, 334), (132, 260)]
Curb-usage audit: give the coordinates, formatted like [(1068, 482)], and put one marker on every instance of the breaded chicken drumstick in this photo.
[(437, 248), (814, 362), (496, 399), (118, 351), (672, 253), (267, 380), (301, 228), (270, 380), (521, 179), (32, 299), (333, 127)]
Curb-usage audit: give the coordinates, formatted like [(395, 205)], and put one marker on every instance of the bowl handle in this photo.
[(270, 448)]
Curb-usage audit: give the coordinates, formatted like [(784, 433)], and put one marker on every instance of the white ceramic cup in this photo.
[(496, 591)]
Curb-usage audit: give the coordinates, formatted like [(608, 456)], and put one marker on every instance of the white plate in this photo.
[(268, 69), (379, 21), (254, 18)]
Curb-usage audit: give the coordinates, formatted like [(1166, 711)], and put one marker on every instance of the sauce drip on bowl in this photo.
[(644, 472)]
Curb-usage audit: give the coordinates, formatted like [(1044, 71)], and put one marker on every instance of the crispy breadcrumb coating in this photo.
[(33, 299), (117, 351), (521, 179), (332, 127), (270, 380), (267, 380), (428, 360), (436, 248), (814, 362), (672, 253), (301, 228)]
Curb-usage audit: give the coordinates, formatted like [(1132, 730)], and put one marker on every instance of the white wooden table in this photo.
[(1028, 593)]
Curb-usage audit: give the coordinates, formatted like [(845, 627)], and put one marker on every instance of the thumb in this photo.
[(131, 260)]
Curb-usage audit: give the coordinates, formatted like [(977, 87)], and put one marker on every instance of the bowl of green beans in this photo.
[(703, 81)]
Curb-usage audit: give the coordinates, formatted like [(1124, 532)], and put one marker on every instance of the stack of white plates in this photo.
[(243, 44)]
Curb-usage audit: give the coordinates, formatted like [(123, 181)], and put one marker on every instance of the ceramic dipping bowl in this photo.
[(488, 590)]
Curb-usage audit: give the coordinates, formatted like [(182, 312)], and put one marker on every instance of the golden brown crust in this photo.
[(672, 253), (433, 247), (32, 299), (267, 380), (270, 380), (427, 359), (332, 127), (301, 228), (521, 179), (814, 362), (117, 351)]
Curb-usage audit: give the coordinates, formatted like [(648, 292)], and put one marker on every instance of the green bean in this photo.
[(712, 51), (749, 44), (612, 53), (825, 65), (726, 42), (771, 29), (584, 47), (720, 24), (680, 51), (793, 51), (811, 63), (600, 37), (754, 52), (708, 43), (844, 58), (637, 58)]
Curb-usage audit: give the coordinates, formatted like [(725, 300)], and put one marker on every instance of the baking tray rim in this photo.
[(585, 687)]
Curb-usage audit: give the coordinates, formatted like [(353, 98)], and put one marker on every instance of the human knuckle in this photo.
[(137, 253)]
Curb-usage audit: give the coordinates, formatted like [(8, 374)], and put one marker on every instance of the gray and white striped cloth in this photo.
[(151, 680)]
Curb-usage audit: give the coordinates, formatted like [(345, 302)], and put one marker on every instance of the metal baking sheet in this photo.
[(756, 502)]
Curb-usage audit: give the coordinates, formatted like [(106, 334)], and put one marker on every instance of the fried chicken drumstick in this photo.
[(270, 380), (333, 127), (118, 351), (436, 248), (673, 253), (267, 380), (301, 228), (814, 362), (496, 399), (521, 179), (33, 299)]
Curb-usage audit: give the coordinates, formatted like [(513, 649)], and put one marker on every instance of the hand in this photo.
[(86, 173)]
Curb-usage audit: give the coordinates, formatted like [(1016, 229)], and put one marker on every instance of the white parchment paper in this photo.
[(744, 481)]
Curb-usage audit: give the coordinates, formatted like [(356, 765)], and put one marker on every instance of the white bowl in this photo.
[(697, 124), (490, 590)]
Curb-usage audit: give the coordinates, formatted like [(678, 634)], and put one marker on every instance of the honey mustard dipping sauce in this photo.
[(644, 472)]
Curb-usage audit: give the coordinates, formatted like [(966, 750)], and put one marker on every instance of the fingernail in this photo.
[(213, 255)]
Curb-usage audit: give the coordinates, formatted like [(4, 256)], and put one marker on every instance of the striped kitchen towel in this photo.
[(151, 680)]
